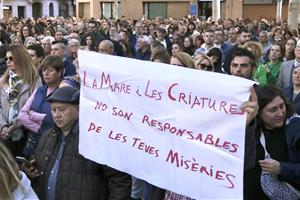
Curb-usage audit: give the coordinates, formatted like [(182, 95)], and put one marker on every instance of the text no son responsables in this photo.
[(104, 81), (169, 128)]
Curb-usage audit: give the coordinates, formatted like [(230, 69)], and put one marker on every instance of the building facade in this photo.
[(136, 9), (38, 8)]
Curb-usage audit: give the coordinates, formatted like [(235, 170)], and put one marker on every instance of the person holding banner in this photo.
[(61, 172), (242, 65), (276, 174)]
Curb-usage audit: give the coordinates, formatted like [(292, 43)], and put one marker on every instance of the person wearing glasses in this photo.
[(16, 85), (92, 29), (203, 62)]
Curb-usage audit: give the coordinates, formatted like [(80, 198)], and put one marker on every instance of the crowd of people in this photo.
[(39, 100)]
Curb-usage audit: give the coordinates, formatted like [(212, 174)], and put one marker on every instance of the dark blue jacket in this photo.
[(225, 47), (40, 105), (291, 169), (288, 93), (69, 68)]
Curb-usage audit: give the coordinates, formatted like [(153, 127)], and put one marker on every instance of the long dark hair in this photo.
[(266, 94)]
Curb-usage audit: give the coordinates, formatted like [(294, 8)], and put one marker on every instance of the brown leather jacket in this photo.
[(77, 178)]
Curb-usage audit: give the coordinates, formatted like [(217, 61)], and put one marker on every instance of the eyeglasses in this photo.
[(91, 26), (9, 58), (205, 67)]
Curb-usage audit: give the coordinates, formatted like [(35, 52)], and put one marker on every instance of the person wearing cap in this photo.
[(285, 74), (60, 171), (162, 37)]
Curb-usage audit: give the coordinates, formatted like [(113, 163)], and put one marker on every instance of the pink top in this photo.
[(32, 120)]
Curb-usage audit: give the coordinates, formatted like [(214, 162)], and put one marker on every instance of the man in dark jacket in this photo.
[(62, 172), (244, 35)]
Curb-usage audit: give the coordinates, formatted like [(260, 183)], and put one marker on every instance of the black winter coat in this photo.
[(77, 178)]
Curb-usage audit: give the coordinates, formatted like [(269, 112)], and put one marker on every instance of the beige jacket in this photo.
[(24, 94)]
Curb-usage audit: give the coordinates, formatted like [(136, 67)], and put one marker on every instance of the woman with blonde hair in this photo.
[(256, 48), (14, 183), (16, 40), (203, 62), (16, 86), (30, 41), (182, 59)]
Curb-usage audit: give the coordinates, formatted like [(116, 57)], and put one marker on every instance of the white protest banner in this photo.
[(177, 128)]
